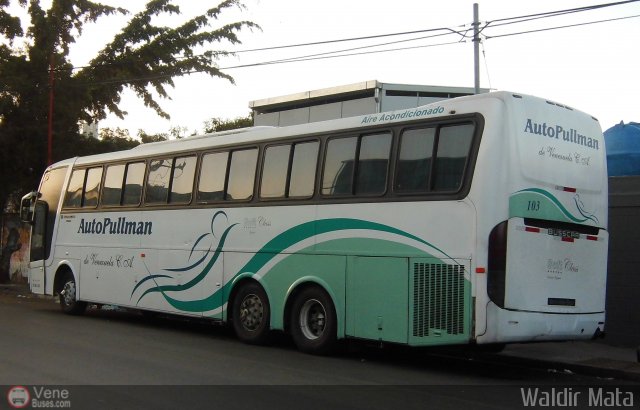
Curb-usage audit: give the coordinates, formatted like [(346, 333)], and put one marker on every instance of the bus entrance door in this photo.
[(36, 259)]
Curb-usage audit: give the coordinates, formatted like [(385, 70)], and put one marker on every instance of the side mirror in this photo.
[(27, 206)]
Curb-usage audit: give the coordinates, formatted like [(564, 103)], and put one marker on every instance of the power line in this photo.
[(316, 43), (347, 52), (567, 11), (327, 53), (264, 63), (448, 30), (561, 27), (295, 60)]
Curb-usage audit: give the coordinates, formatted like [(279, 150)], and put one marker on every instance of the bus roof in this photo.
[(459, 105)]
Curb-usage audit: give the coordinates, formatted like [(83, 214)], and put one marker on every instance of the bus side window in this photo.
[(413, 169), (338, 166), (84, 188), (112, 189), (289, 171), (274, 171), (303, 170), (373, 163), (366, 156), (454, 143), (184, 170), (73, 197), (133, 184), (158, 181), (242, 173), (92, 187), (213, 173)]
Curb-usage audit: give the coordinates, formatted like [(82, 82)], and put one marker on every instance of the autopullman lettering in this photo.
[(120, 226), (559, 132)]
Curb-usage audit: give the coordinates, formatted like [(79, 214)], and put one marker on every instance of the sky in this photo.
[(593, 68)]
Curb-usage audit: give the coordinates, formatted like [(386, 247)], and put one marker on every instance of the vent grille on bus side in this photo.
[(438, 295)]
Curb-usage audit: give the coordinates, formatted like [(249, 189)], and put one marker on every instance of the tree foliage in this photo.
[(218, 124), (143, 56)]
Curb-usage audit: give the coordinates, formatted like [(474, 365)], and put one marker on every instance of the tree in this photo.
[(143, 56), (115, 140), (218, 124)]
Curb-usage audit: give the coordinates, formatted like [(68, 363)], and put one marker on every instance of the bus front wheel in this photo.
[(313, 321), (68, 301), (251, 314)]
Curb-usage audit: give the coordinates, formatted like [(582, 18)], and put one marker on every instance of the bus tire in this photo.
[(251, 314), (68, 302), (313, 323)]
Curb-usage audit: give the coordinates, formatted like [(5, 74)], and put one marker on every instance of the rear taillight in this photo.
[(497, 263)]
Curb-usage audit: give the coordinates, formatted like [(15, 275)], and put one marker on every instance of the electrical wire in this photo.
[(258, 64), (316, 43), (567, 11), (464, 34), (561, 27), (486, 65), (309, 56)]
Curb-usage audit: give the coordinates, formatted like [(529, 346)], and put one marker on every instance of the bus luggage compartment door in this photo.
[(377, 297)]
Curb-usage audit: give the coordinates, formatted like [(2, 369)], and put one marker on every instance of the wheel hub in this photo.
[(69, 293), (251, 312), (313, 319)]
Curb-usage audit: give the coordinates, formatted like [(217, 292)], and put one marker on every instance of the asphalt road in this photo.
[(117, 359)]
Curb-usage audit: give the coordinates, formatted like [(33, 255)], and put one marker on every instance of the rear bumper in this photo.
[(505, 326)]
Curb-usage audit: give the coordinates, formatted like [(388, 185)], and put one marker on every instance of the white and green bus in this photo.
[(475, 220)]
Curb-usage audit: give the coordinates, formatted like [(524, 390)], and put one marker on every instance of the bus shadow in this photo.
[(456, 362)]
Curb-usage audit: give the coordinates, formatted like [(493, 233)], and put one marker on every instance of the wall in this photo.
[(623, 281), (14, 249), (321, 112)]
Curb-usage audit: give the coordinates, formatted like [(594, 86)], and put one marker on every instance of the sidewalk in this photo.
[(593, 358)]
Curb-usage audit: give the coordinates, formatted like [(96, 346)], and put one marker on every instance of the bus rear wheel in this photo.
[(68, 302), (251, 314), (313, 321)]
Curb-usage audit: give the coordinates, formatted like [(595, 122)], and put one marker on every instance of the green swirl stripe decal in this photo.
[(541, 204), (270, 250)]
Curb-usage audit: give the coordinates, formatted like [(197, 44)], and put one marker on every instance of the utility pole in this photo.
[(476, 49), (50, 129)]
